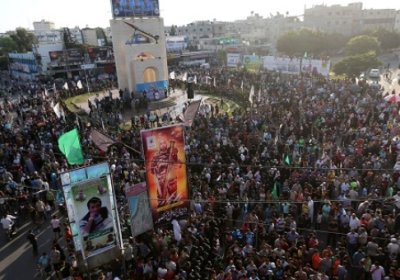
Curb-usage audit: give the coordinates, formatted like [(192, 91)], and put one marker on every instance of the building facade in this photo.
[(378, 18), (89, 36), (334, 19)]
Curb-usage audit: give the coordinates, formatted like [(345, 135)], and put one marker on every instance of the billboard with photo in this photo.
[(139, 207), (164, 154), (91, 209), (97, 54), (70, 56), (288, 65), (316, 66), (285, 65), (252, 62), (233, 59), (135, 8)]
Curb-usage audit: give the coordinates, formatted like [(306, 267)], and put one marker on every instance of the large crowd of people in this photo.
[(300, 183)]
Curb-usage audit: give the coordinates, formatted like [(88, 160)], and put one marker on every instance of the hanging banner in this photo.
[(138, 202), (285, 65), (124, 8), (92, 207), (233, 59), (293, 65), (92, 213), (252, 62), (316, 66), (164, 154)]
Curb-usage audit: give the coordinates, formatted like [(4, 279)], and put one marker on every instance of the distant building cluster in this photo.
[(53, 53), (347, 20), (56, 51)]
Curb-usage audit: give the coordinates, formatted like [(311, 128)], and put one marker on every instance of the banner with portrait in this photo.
[(233, 59), (92, 213), (91, 201), (164, 153), (285, 65), (135, 8), (252, 62), (140, 214)]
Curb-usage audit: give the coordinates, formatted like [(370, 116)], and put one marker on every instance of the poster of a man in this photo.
[(97, 218), (164, 152), (93, 216), (162, 167), (131, 8)]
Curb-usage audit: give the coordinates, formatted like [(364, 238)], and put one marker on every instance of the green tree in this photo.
[(23, 39), (362, 44), (221, 57), (173, 31), (310, 41), (332, 43), (387, 39), (355, 64), (7, 45)]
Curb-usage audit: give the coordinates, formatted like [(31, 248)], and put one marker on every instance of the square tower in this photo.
[(139, 48)]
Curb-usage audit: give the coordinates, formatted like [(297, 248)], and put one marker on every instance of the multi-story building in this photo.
[(251, 29), (350, 19), (90, 36), (334, 19), (42, 52), (397, 22), (201, 29), (96, 36), (45, 32), (76, 35), (378, 18), (43, 25), (278, 25)]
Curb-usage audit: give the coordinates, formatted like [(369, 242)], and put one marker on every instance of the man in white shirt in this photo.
[(55, 224), (7, 223), (354, 222)]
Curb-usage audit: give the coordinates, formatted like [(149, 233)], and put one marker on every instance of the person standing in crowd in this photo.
[(33, 240), (56, 226), (377, 272)]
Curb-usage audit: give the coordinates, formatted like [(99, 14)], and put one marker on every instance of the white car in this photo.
[(374, 73)]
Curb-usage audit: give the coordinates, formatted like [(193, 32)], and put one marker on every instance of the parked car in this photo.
[(374, 73)]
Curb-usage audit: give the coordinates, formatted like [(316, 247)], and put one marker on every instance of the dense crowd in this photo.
[(301, 183)]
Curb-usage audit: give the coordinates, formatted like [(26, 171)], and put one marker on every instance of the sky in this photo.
[(97, 13)]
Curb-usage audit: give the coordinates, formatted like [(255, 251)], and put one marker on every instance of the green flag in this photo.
[(287, 159), (275, 192), (69, 145)]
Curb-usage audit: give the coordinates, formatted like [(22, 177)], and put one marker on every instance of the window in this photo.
[(149, 75)]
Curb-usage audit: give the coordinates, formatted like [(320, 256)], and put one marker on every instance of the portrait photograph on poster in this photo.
[(92, 207), (135, 8)]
